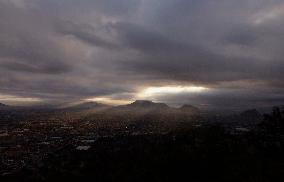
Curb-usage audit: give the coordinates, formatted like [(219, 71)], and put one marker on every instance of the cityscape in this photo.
[(142, 90), (67, 143)]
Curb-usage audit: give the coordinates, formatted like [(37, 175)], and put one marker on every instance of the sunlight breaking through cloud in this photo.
[(108, 101), (152, 91), (11, 99)]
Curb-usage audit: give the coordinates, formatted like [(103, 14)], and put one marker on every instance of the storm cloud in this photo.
[(69, 50)]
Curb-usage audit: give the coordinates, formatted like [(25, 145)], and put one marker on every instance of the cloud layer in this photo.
[(67, 50)]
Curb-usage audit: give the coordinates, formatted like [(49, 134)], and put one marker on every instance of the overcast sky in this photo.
[(221, 53)]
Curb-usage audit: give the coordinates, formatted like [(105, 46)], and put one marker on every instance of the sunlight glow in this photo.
[(109, 101), (151, 93), (171, 90), (18, 99), (268, 14)]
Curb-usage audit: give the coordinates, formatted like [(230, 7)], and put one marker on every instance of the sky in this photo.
[(214, 54)]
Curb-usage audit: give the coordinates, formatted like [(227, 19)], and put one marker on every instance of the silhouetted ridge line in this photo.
[(85, 105), (188, 107), (147, 103)]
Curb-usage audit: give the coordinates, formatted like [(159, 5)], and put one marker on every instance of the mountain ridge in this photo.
[(84, 106), (147, 103)]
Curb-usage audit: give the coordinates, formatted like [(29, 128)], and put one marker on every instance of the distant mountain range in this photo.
[(189, 108), (147, 103), (138, 106), (136, 109), (3, 105), (144, 110), (252, 113), (83, 106), (140, 111)]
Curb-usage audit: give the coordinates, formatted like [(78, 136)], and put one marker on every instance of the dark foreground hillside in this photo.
[(203, 153)]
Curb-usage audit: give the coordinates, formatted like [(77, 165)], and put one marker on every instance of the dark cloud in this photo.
[(26, 46), (136, 37), (241, 37), (72, 50), (86, 33), (25, 67), (176, 60)]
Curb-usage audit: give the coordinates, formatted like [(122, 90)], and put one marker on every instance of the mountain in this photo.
[(84, 106), (138, 109), (145, 110), (250, 117), (252, 113), (3, 106), (189, 108), (141, 114), (147, 104)]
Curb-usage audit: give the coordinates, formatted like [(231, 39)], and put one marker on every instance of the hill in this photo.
[(189, 108), (147, 104), (83, 106), (143, 114), (3, 106)]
